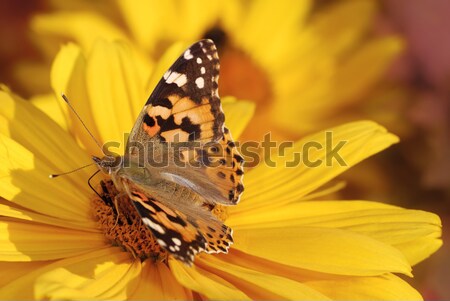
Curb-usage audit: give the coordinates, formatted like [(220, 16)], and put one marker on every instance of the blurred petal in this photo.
[(83, 27), (168, 57), (146, 22), (238, 114), (275, 19), (340, 28), (380, 53)]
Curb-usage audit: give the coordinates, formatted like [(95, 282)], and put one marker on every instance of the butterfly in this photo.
[(182, 125)]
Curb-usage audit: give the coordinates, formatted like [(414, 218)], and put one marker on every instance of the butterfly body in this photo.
[(180, 157)]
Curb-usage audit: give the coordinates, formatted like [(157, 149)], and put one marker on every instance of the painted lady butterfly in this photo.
[(183, 112)]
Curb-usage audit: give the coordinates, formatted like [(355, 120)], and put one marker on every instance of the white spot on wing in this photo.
[(199, 60), (177, 78), (166, 75), (202, 70), (161, 243), (187, 55), (152, 225), (209, 57), (200, 82), (181, 81), (176, 241)]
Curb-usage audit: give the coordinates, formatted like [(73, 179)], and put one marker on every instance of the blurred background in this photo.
[(307, 66)]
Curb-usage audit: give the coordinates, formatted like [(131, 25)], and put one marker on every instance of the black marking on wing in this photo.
[(189, 66)]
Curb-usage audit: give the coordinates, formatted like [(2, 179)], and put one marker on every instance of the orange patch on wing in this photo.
[(196, 115), (159, 111), (185, 103), (151, 130), (175, 135)]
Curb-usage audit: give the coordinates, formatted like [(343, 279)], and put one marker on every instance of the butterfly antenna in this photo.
[(52, 176), (81, 120)]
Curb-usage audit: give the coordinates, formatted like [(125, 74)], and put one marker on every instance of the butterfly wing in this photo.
[(185, 103), (183, 231), (185, 108)]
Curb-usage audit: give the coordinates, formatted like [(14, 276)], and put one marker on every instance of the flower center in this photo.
[(123, 226)]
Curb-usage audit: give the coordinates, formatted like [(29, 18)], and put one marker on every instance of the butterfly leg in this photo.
[(116, 206)]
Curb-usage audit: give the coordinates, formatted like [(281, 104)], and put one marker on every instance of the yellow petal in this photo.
[(24, 181), (273, 20), (370, 63), (336, 287), (187, 16), (156, 282), (13, 270), (82, 27), (260, 286), (34, 133), (275, 186), (237, 114), (167, 59), (342, 24), (324, 250), (21, 241), (99, 274), (48, 104), (115, 90), (205, 283), (384, 287), (418, 249), (146, 23), (68, 76), (415, 233), (20, 213)]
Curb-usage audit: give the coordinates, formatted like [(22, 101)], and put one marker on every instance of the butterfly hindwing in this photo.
[(183, 232)]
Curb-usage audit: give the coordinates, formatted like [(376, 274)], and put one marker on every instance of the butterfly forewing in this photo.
[(185, 104)]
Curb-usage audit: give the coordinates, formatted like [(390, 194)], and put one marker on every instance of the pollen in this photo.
[(123, 227)]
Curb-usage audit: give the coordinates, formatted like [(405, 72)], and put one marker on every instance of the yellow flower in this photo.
[(306, 68), (287, 246)]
